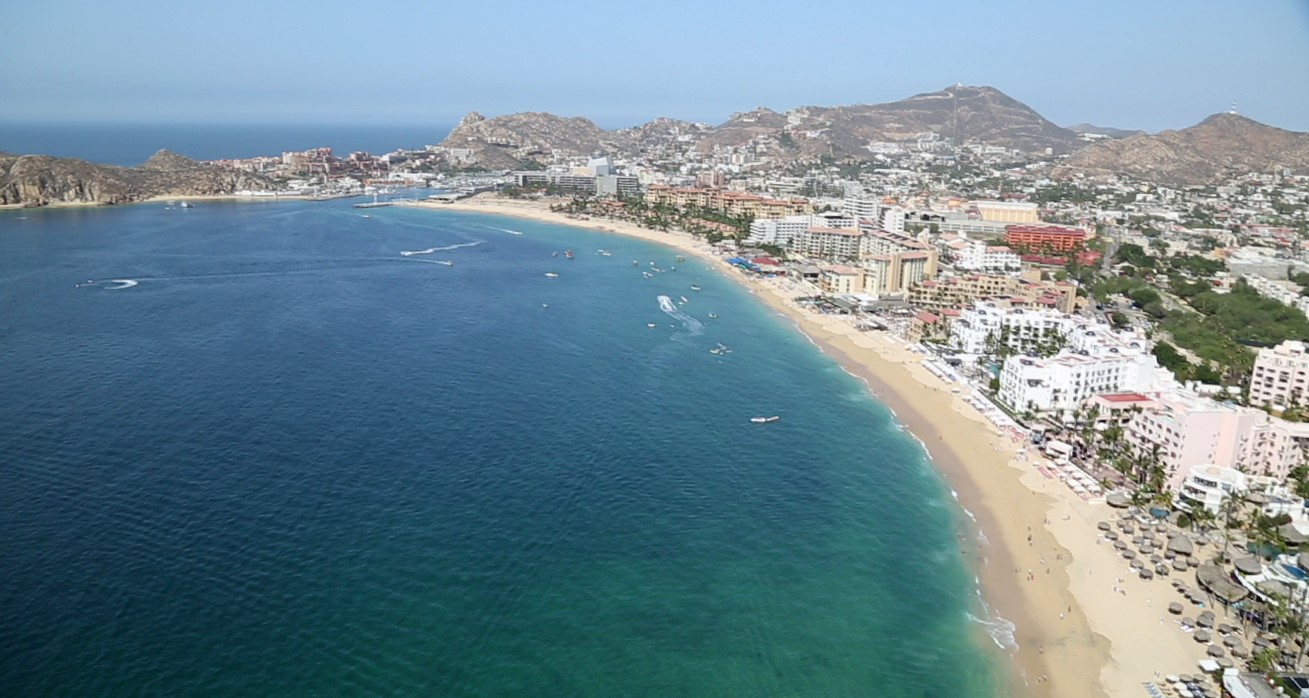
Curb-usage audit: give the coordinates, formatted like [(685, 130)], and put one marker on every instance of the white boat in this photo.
[(684, 299), (186, 204), (764, 420), (651, 325), (713, 316), (551, 275), (695, 288)]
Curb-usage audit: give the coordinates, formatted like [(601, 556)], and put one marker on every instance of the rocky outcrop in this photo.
[(511, 141), (1108, 131), (39, 180), (1221, 146)]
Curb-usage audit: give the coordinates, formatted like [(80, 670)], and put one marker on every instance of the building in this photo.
[(1009, 291), (1088, 358), (829, 243), (1281, 376), (1038, 239), (734, 203), (839, 279), (1008, 211), (986, 325), (977, 255), (603, 185), (1208, 485), (862, 208)]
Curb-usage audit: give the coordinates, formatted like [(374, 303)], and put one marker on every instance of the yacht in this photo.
[(551, 275), (713, 316), (764, 420), (694, 287)]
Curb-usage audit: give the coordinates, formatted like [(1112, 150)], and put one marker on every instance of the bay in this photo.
[(290, 459)]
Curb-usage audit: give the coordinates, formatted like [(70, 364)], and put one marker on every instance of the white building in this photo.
[(977, 255), (1021, 330), (1064, 382), (784, 232), (829, 243), (862, 208), (1208, 485)]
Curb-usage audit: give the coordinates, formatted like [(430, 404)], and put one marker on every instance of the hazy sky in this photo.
[(1149, 64)]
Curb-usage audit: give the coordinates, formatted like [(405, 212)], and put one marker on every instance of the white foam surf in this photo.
[(506, 230), (410, 253), (122, 283), (667, 305), (1000, 630)]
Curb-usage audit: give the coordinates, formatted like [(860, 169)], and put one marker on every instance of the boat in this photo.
[(375, 203), (680, 258), (764, 420), (545, 305), (551, 275), (684, 299), (554, 254), (651, 325), (694, 287), (713, 316), (186, 204), (568, 254)]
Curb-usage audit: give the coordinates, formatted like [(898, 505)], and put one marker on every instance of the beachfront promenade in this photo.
[(1085, 622)]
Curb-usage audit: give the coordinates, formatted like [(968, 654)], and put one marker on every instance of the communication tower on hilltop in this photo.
[(1232, 111)]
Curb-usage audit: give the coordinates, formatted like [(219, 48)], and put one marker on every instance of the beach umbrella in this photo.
[(1103, 526), (1241, 652), (1118, 544), (1118, 500), (1201, 636), (1225, 663), (1187, 620), (1180, 545), (1146, 573), (1214, 651), (1193, 561), (1183, 691), (1232, 641), (1137, 540), (1156, 558), (1205, 620), (1225, 628), (1175, 608), (1129, 554), (1161, 570), (1111, 535), (1248, 565), (1136, 564)]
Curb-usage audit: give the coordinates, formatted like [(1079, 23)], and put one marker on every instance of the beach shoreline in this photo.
[(1077, 635), (1060, 653)]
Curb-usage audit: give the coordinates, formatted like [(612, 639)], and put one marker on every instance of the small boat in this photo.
[(694, 287), (545, 305), (551, 275), (764, 420), (568, 254), (684, 299), (680, 258), (713, 316), (635, 263), (651, 325)]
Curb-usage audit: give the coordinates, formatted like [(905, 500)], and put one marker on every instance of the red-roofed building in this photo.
[(1037, 239)]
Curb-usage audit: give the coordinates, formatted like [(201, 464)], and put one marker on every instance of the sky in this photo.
[(1153, 64)]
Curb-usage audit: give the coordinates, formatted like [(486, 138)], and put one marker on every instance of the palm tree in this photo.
[(1230, 511)]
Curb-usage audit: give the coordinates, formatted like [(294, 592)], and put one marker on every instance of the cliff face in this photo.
[(509, 141), (39, 180), (1222, 145)]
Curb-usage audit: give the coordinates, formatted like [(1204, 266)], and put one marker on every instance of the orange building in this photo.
[(1044, 238)]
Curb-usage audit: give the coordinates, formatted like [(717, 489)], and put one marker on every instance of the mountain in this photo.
[(39, 180), (963, 114), (512, 140), (1220, 146), (1109, 131)]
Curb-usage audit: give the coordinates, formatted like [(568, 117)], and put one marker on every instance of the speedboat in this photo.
[(551, 275), (694, 287), (764, 420), (568, 254), (713, 316), (651, 325)]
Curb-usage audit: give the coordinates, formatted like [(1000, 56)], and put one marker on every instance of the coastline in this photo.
[(154, 200), (1075, 636)]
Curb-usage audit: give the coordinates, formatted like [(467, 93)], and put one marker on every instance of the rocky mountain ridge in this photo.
[(960, 113), (1221, 146), (41, 180)]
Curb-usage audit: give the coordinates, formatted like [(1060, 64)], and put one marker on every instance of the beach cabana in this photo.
[(1248, 565), (1212, 578), (1180, 545)]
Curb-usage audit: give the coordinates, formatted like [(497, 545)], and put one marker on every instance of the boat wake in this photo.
[(693, 325), (511, 232), (410, 253), (447, 248), (120, 283)]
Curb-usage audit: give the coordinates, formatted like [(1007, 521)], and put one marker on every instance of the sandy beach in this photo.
[(1084, 626)]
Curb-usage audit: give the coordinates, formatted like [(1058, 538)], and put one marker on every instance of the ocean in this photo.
[(251, 448), (129, 145)]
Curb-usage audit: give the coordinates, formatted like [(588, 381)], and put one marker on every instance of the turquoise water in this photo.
[(290, 460)]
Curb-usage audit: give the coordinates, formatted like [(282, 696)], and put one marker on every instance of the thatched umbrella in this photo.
[(1180, 545), (1129, 554), (1205, 619), (1225, 663), (1103, 526), (1138, 541), (1161, 570), (1241, 652), (1111, 535), (1232, 641), (1193, 561), (1137, 564), (1175, 608), (1146, 573), (1292, 535), (1118, 500), (1248, 565), (1187, 620), (1201, 636), (1179, 565), (1214, 651)]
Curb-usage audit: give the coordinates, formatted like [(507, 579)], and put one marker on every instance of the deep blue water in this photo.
[(132, 144), (291, 460)]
